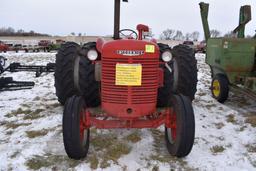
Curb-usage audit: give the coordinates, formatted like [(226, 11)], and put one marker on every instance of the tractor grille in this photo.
[(146, 93)]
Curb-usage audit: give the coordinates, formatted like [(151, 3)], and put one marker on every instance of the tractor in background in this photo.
[(137, 83), (232, 60)]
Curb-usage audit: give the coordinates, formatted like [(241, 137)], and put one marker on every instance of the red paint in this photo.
[(99, 44), (142, 28), (160, 77), (116, 100), (82, 125), (3, 47), (129, 106), (171, 122), (103, 121)]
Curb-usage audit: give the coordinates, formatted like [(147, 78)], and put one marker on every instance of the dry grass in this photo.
[(133, 137), (251, 118), (219, 125), (35, 134), (231, 118), (34, 115), (107, 148), (18, 112), (209, 106), (251, 148), (94, 162), (217, 149), (14, 155), (29, 114), (14, 125), (50, 160)]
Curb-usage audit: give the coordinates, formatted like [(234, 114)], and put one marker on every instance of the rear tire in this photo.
[(220, 88), (183, 77), (186, 81), (74, 75), (180, 135), (164, 92), (75, 136)]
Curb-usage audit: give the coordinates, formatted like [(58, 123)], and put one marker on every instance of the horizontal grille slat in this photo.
[(146, 93)]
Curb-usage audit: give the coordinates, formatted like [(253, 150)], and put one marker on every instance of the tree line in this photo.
[(171, 34), (9, 31)]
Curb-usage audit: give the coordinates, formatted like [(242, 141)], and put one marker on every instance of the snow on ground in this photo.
[(31, 136)]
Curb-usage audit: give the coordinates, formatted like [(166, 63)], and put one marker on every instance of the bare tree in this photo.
[(20, 31), (9, 31), (179, 35), (229, 34), (167, 34), (73, 33), (215, 33), (195, 35), (187, 36)]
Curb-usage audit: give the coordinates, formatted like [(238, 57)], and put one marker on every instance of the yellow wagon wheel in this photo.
[(220, 88)]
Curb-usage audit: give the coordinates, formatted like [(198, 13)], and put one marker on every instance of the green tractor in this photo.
[(232, 60)]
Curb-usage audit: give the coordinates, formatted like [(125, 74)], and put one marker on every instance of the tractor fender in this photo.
[(99, 44)]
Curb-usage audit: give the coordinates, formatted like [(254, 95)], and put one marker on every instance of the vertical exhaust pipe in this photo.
[(117, 19), (204, 9)]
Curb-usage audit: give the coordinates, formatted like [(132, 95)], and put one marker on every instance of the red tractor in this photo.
[(137, 83)]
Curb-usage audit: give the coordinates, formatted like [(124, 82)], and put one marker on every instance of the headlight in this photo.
[(167, 56), (92, 54)]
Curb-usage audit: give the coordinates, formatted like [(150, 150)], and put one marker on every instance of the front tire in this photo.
[(180, 133), (220, 88), (75, 135)]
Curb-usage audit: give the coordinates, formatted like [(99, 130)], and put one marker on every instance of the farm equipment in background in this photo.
[(38, 69), (3, 47), (201, 47), (7, 83), (232, 60), (44, 45), (129, 78)]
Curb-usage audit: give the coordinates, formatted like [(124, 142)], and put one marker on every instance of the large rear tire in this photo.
[(75, 135), (182, 79), (164, 92), (74, 75), (184, 71), (180, 134)]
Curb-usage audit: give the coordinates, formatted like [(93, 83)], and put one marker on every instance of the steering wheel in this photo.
[(128, 33)]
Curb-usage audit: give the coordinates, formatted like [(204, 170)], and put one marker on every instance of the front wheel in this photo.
[(75, 134), (180, 131), (220, 88)]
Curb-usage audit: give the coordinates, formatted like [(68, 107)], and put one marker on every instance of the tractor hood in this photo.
[(128, 47)]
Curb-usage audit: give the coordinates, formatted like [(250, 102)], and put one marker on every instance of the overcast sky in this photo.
[(95, 17)]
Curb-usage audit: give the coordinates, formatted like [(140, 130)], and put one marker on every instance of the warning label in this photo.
[(128, 74), (150, 49)]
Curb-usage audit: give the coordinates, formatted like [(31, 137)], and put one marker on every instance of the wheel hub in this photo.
[(216, 88), (83, 130), (172, 131)]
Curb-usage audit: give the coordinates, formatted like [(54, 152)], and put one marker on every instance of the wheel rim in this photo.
[(2, 61), (216, 88), (172, 131), (83, 130)]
